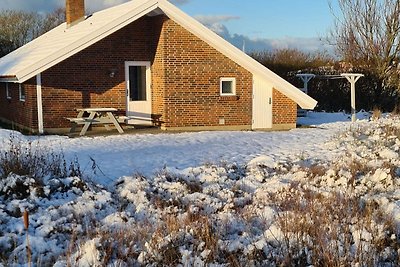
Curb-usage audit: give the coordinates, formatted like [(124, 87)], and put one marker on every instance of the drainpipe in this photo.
[(39, 103)]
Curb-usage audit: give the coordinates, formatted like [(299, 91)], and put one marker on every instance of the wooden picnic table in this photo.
[(103, 116)]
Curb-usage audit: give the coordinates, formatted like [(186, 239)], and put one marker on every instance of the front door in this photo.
[(262, 104), (138, 92)]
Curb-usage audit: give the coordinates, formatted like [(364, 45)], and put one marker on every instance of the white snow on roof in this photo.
[(61, 43)]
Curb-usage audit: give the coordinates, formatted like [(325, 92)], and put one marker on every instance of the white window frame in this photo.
[(226, 79), (8, 93), (22, 96)]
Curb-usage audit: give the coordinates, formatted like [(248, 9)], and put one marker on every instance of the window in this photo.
[(22, 95), (8, 93), (137, 83), (228, 86)]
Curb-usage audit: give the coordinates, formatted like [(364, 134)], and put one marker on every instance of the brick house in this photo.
[(152, 62)]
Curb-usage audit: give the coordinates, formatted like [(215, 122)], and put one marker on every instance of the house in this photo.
[(152, 62)]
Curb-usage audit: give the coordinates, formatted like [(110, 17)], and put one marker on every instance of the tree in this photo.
[(18, 28), (284, 61), (367, 35)]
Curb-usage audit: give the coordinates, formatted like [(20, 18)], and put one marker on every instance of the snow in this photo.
[(120, 155), (166, 194)]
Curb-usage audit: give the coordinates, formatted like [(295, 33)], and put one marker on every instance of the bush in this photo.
[(24, 167)]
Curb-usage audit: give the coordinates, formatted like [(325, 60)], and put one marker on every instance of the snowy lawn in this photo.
[(310, 196), (119, 155)]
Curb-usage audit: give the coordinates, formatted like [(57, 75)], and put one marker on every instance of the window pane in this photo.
[(227, 87), (137, 83), (22, 94), (8, 91)]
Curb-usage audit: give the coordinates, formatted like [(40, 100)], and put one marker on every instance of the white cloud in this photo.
[(179, 2), (42, 6), (210, 20), (259, 44)]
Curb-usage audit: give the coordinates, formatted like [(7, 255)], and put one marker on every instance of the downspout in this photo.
[(39, 103)]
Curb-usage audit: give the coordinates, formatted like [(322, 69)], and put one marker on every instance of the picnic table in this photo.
[(96, 116)]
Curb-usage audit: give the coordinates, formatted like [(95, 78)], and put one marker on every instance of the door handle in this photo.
[(270, 100)]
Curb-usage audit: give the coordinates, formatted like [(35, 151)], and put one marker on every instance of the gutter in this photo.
[(8, 78)]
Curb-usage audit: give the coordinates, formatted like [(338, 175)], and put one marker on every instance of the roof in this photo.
[(60, 43)]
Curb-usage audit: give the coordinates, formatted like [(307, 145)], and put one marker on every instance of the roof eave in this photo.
[(8, 78)]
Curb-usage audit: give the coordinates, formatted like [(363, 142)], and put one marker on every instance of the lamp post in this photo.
[(353, 78), (305, 77)]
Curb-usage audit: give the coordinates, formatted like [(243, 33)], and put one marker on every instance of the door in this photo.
[(262, 104), (138, 92)]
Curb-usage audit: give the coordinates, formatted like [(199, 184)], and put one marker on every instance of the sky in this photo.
[(252, 24)]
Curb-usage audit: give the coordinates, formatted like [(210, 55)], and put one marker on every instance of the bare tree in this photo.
[(367, 35), (53, 19), (18, 28)]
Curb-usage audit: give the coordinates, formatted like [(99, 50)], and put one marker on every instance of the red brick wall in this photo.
[(284, 110), (83, 80), (185, 77), (193, 70), (19, 112), (185, 71)]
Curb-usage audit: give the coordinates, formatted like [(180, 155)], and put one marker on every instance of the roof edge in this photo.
[(8, 78)]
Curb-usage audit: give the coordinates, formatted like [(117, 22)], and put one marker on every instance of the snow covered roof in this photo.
[(62, 42)]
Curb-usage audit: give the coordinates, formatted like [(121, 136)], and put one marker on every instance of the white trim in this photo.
[(224, 79), (8, 93), (39, 103), (21, 89)]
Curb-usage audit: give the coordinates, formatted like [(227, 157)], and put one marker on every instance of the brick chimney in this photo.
[(74, 11)]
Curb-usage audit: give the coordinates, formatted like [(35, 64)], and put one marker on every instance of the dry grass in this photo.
[(376, 114), (332, 230)]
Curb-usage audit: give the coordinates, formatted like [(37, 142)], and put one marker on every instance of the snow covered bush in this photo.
[(24, 166), (336, 208), (332, 229), (30, 159)]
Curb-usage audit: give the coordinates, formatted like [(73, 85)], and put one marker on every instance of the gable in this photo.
[(61, 43)]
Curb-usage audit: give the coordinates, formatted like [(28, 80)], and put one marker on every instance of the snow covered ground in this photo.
[(119, 155), (197, 198)]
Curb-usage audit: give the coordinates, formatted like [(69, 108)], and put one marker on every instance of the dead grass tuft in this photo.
[(332, 230)]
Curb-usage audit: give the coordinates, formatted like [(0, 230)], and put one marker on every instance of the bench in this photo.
[(102, 116)]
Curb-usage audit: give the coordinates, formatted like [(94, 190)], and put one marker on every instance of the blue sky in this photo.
[(259, 24)]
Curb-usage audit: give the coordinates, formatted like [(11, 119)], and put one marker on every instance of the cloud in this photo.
[(179, 2), (260, 44), (42, 6), (210, 20)]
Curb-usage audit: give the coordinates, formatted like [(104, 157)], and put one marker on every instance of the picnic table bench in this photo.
[(96, 116)]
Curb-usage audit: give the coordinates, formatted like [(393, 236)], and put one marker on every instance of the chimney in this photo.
[(74, 11)]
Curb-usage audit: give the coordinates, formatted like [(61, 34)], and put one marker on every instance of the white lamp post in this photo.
[(353, 78), (305, 77)]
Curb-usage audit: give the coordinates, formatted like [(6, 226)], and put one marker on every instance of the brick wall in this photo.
[(20, 112), (284, 110), (185, 71), (193, 71), (83, 80), (185, 77)]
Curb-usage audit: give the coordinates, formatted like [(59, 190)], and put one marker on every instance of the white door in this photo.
[(138, 92), (262, 104)]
